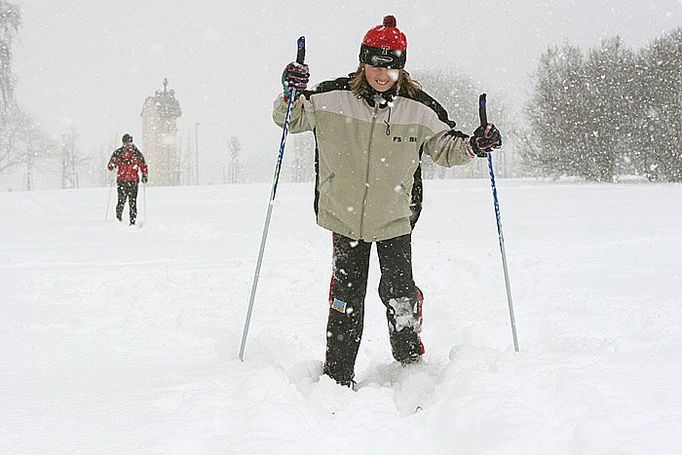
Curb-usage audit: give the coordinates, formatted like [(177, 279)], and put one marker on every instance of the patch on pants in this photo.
[(339, 305), (405, 313)]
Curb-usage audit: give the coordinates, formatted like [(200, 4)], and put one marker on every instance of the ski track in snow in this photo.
[(125, 340)]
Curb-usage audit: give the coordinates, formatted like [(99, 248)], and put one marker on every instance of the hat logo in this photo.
[(380, 60)]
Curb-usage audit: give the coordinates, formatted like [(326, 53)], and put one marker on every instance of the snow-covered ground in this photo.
[(117, 340)]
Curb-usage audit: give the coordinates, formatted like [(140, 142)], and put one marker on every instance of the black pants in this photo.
[(127, 190), (347, 297)]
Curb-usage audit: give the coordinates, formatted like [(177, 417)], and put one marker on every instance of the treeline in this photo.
[(23, 143), (607, 112)]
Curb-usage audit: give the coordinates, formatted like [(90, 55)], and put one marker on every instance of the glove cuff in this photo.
[(475, 149)]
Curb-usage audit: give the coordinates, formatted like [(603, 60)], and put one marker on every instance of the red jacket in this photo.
[(128, 161)]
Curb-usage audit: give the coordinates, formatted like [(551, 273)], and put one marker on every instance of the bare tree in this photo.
[(458, 94), (301, 167), (22, 142), (608, 112), (10, 22), (39, 151), (71, 160), (234, 172), (658, 150)]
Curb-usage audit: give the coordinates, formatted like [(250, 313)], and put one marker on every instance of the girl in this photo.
[(371, 129)]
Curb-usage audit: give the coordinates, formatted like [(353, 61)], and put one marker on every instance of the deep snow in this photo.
[(124, 340)]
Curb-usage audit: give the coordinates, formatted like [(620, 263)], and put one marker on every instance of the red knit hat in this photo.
[(384, 45)]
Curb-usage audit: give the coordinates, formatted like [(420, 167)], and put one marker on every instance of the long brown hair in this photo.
[(405, 84)]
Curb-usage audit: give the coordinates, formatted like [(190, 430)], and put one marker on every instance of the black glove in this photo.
[(485, 139), (144, 179), (295, 75)]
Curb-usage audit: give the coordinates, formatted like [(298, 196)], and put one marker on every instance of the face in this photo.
[(128, 144), (381, 79)]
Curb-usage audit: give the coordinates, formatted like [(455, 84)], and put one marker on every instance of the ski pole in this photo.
[(144, 202), (106, 215), (484, 121), (300, 57)]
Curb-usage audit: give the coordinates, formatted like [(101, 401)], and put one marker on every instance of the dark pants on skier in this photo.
[(127, 190), (347, 291)]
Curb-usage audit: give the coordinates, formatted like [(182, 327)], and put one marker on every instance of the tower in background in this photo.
[(160, 136)]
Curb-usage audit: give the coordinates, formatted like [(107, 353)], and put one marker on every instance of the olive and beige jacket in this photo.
[(367, 155)]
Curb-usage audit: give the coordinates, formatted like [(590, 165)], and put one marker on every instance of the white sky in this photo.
[(91, 63)]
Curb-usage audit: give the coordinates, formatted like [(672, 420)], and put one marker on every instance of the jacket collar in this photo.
[(124, 149), (372, 97)]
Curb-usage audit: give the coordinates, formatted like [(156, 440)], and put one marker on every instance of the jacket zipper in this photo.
[(369, 150)]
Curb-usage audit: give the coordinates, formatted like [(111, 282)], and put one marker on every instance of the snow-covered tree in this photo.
[(10, 21), (658, 140), (582, 112), (609, 110), (233, 172), (22, 142), (71, 160), (302, 161), (556, 113), (458, 94)]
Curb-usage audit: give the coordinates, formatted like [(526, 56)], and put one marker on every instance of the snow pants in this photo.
[(400, 296), (127, 190)]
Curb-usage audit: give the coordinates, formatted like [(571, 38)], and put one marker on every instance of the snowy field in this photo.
[(118, 340)]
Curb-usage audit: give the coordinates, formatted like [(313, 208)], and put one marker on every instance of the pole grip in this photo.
[(300, 54), (482, 115), (483, 119)]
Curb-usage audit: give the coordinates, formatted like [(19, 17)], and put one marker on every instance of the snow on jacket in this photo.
[(367, 155), (128, 161)]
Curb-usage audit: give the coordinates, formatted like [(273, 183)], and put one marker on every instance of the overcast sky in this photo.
[(91, 63)]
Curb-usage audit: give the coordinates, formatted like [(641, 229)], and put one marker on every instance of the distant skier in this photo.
[(129, 161), (370, 130)]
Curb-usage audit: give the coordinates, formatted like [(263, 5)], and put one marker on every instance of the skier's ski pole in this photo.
[(144, 202), (106, 215), (484, 121), (300, 58)]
